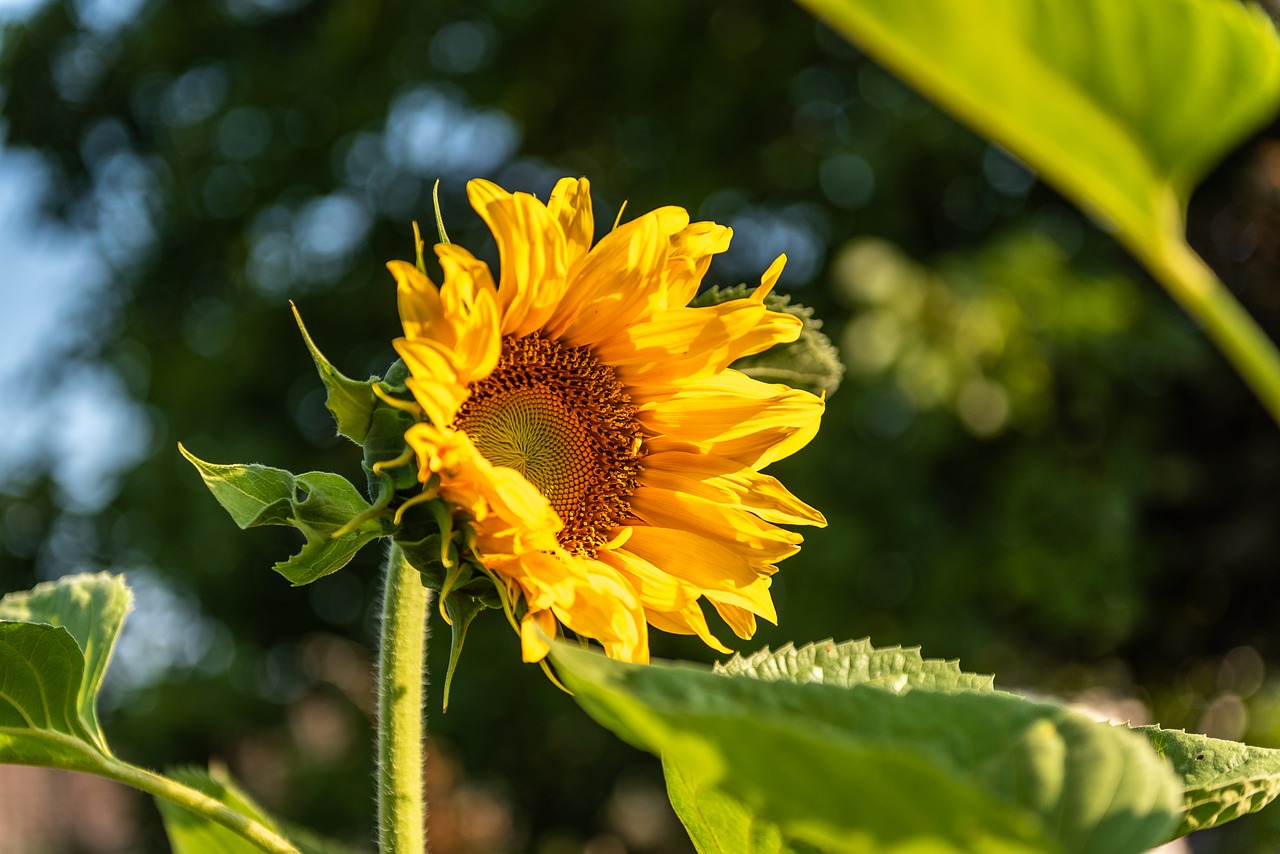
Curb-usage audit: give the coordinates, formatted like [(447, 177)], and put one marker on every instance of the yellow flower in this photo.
[(583, 422)]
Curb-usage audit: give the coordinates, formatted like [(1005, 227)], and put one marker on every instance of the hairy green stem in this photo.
[(1195, 286), (195, 801), (401, 801)]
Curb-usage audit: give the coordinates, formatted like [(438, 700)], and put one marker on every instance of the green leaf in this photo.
[(855, 663), (194, 834), (1222, 780), (864, 769), (1122, 106), (717, 823), (326, 502), (329, 511), (43, 670), (323, 555), (351, 402), (92, 609), (252, 494)]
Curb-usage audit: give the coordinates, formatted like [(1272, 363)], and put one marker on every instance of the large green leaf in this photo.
[(92, 609), (1222, 780), (719, 823), (41, 670), (1122, 105), (55, 644), (865, 769), (56, 641)]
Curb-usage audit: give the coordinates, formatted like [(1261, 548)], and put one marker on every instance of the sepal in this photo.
[(351, 402)]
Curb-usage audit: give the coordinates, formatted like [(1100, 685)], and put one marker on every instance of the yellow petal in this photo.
[(532, 646), (728, 482), (479, 343), (770, 278), (464, 277), (734, 416), (763, 544), (754, 598), (691, 251), (687, 621), (657, 589), (422, 313), (531, 247), (619, 281), (682, 344), (570, 205), (434, 383), (742, 621), (703, 563)]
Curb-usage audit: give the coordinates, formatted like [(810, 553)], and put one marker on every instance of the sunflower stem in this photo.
[(401, 662)]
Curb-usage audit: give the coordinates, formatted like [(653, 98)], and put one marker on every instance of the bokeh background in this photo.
[(1035, 463)]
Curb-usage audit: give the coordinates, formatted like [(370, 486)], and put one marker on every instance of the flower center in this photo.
[(560, 418)]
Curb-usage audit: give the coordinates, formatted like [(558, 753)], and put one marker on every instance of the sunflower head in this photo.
[(581, 431)]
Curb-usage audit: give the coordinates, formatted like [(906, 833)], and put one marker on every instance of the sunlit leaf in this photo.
[(863, 769), (41, 673), (92, 609), (1122, 105), (252, 494), (1222, 780), (855, 663)]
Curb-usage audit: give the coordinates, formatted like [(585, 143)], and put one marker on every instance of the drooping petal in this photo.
[(656, 588), (704, 563), (690, 256), (607, 608), (533, 646), (687, 621)]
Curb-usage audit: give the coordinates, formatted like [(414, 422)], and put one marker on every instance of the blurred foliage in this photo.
[(1035, 463)]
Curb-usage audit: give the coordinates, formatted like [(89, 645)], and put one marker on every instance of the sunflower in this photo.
[(582, 421)]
